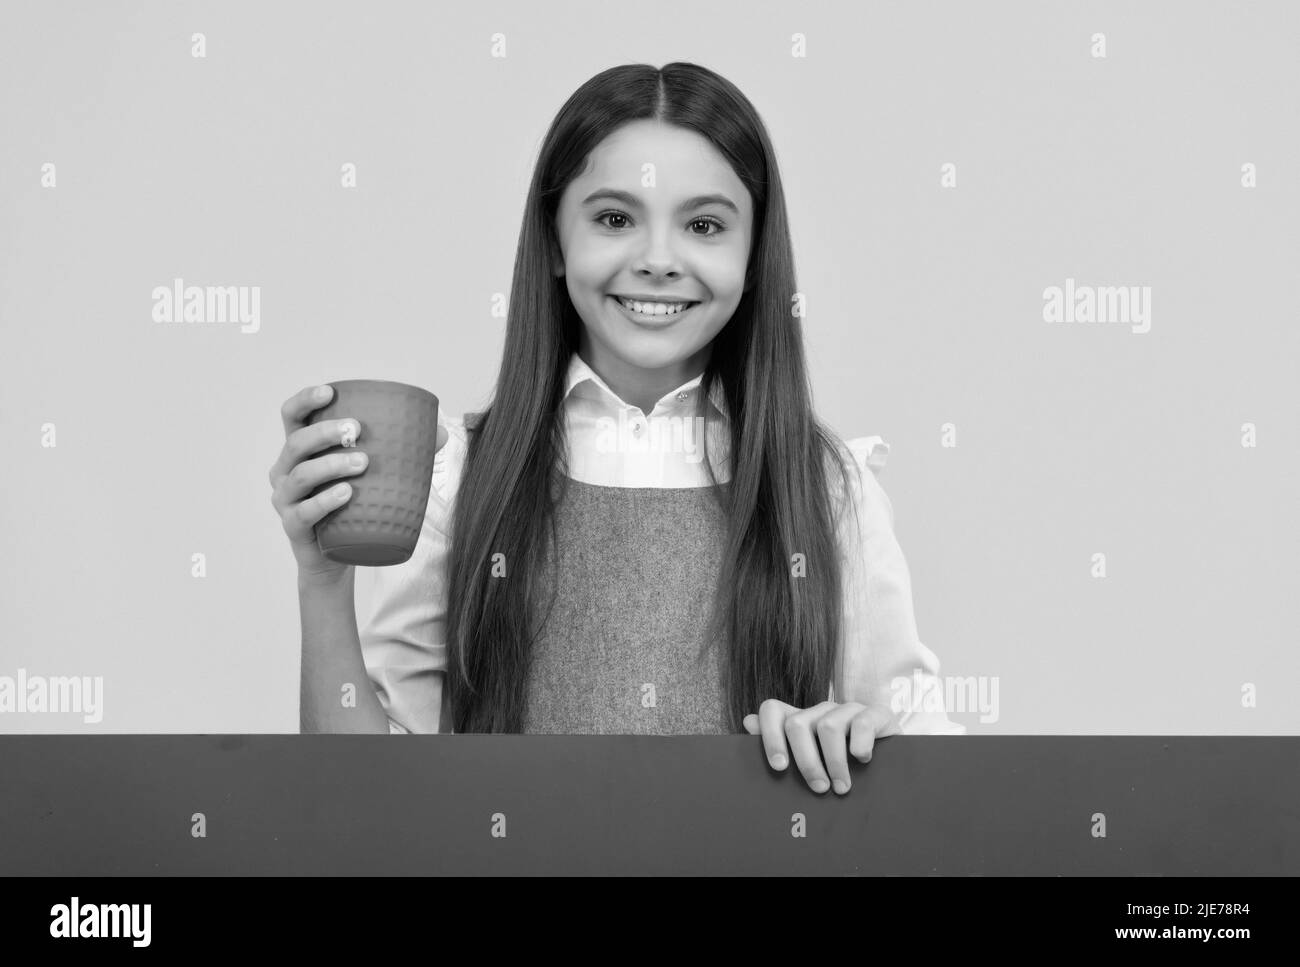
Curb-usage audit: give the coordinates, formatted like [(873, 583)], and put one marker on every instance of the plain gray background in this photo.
[(925, 308)]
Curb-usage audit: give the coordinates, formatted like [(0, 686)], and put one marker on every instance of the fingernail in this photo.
[(820, 785), (322, 392), (357, 460), (841, 786), (778, 762)]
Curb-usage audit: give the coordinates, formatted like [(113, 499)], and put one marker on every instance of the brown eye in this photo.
[(709, 221)]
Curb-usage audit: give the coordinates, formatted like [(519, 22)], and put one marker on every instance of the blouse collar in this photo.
[(584, 381)]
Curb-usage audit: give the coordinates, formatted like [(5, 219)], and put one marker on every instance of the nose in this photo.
[(656, 272), (659, 260), (660, 264)]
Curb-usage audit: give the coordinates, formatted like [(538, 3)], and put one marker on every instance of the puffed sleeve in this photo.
[(403, 638), (882, 660)]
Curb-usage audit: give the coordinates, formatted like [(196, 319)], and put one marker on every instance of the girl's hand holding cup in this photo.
[(307, 487)]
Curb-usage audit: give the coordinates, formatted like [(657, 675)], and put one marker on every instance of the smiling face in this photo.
[(686, 239)]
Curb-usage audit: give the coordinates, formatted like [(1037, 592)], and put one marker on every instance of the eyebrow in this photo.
[(627, 198)]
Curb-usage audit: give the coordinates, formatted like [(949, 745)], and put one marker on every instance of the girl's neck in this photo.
[(639, 387)]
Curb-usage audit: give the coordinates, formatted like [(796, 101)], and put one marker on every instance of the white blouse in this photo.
[(613, 444)]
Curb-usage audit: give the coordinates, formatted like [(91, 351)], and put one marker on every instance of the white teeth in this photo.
[(654, 308)]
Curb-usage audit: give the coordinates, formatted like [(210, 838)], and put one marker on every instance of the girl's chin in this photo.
[(650, 351)]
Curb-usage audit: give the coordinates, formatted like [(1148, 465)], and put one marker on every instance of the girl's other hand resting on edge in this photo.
[(841, 728)]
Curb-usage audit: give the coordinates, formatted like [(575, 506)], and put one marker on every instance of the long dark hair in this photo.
[(781, 630)]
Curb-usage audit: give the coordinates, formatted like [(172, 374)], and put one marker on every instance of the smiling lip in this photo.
[(649, 321), (650, 298)]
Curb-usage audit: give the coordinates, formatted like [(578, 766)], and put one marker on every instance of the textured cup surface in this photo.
[(380, 524)]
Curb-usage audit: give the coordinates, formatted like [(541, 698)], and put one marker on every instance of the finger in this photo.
[(307, 440), (443, 437), (867, 726), (799, 733), (833, 737), (300, 522), (750, 723), (297, 407), (311, 476), (771, 723)]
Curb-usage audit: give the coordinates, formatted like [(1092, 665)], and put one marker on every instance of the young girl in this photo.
[(648, 531)]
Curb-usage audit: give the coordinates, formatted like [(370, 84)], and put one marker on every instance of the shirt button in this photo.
[(683, 397), (636, 427)]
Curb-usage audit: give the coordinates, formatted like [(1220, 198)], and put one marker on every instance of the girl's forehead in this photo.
[(665, 162)]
